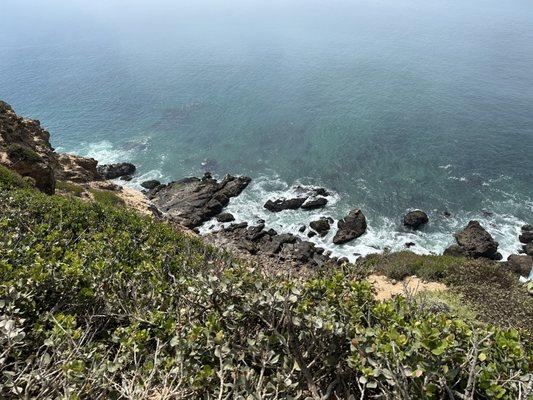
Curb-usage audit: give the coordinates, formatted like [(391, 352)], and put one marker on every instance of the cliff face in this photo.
[(25, 147)]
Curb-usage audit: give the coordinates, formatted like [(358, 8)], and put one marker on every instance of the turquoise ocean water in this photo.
[(391, 104)]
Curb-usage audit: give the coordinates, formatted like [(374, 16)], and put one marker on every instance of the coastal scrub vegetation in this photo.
[(98, 302), (494, 292)]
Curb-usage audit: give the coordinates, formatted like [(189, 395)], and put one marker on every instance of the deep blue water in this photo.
[(394, 104)]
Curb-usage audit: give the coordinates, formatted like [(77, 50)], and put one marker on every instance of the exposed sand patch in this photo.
[(385, 288), (135, 199)]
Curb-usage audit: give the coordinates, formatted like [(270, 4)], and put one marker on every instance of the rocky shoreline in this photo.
[(190, 202)]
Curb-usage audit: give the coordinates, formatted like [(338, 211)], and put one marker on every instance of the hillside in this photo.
[(100, 302)]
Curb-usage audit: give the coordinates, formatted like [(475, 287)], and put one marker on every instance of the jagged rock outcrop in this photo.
[(271, 250), (475, 242), (285, 204), (322, 225), (114, 171), (192, 201), (25, 147), (308, 198), (350, 227), (415, 219), (76, 169)]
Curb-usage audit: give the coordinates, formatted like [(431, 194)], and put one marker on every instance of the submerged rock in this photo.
[(114, 171), (350, 227), (415, 219), (475, 242), (192, 201)]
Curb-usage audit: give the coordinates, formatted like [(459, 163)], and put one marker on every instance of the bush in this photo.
[(99, 302), (69, 187), (405, 263), (106, 198), (10, 179), (19, 152)]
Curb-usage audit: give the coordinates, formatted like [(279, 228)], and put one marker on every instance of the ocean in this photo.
[(391, 104)]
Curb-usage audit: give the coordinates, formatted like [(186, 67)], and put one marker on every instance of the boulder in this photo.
[(303, 251), (302, 229), (475, 242), (415, 219), (285, 204), (114, 171), (313, 203), (151, 184), (192, 201), (321, 226), (350, 227), (520, 264), (126, 178), (527, 228), (526, 237), (225, 217), (528, 249)]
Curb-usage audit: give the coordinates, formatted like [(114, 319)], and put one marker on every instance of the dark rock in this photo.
[(303, 251), (126, 178), (192, 201), (474, 241), (415, 219), (311, 234), (410, 244), (526, 237), (302, 229), (234, 227), (284, 204), (314, 203), (528, 249), (343, 260), (321, 226), (446, 214), (113, 171), (350, 227), (151, 184), (520, 265), (225, 217), (527, 228), (487, 213), (254, 233), (272, 232)]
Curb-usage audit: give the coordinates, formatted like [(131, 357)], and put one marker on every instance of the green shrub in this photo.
[(106, 198), (98, 302), (10, 179), (19, 152), (488, 286), (69, 187), (405, 263)]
